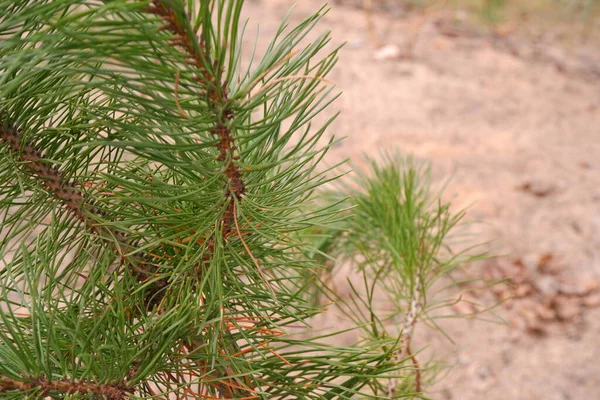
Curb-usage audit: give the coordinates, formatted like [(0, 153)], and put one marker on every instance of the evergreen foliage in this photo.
[(157, 195)]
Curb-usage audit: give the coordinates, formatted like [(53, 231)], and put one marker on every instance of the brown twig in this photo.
[(69, 194), (417, 368), (67, 386), (50, 177), (407, 332)]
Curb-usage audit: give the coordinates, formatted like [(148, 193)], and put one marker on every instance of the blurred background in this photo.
[(503, 97)]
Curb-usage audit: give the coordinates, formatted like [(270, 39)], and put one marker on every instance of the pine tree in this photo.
[(159, 215)]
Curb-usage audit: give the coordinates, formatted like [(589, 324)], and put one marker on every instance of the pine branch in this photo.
[(216, 93), (93, 83), (68, 387), (217, 96), (74, 200), (85, 211), (51, 178)]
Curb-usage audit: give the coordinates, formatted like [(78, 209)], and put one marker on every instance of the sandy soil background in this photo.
[(514, 119)]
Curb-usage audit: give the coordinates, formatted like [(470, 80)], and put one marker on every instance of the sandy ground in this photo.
[(515, 123)]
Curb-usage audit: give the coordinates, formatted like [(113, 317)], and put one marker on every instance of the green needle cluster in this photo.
[(157, 190)]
